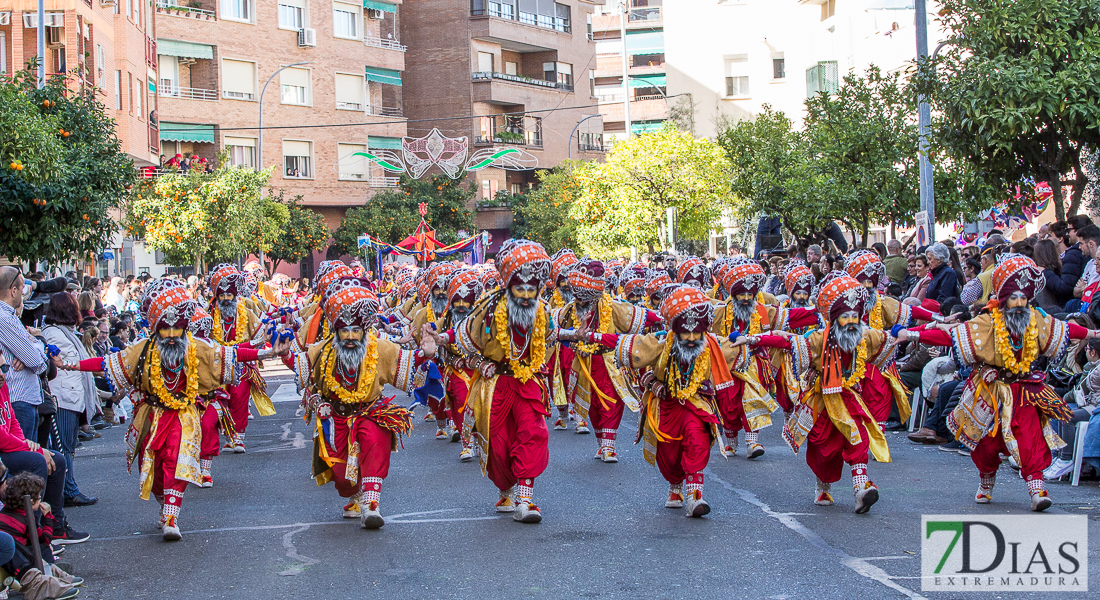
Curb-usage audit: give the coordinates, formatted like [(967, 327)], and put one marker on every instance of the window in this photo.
[(242, 151), (349, 92), (297, 160), (484, 62), (118, 90), (559, 73), (737, 79), (137, 97), (779, 68), (168, 69), (351, 166), (3, 52), (511, 68), (647, 60), (294, 84), (237, 10), (238, 79), (130, 90), (346, 19), (292, 14), (828, 9), (100, 62)]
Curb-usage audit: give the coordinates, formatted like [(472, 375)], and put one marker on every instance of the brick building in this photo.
[(503, 72), (214, 59), (645, 59)]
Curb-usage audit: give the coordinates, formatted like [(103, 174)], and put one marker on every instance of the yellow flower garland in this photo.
[(754, 320), (429, 313), (362, 391), (190, 374), (240, 335), (556, 300), (700, 372), (523, 371), (1004, 344), (604, 324), (859, 368), (875, 318)]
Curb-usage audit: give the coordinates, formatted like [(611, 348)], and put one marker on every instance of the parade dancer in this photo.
[(169, 372), (429, 381), (694, 272), (771, 373), (507, 338), (212, 407), (831, 418), (236, 325), (1005, 406), (355, 427), (685, 374), (596, 386), (463, 290)]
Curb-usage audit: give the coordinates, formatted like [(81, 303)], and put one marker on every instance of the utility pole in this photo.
[(41, 44), (924, 124), (623, 11)]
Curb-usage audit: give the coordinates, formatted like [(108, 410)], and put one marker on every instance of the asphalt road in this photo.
[(267, 531)]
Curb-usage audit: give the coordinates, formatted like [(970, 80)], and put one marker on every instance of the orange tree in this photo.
[(61, 170), (305, 231), (204, 218), (391, 215), (542, 214)]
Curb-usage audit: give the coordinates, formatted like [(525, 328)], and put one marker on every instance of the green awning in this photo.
[(383, 143), (645, 42), (184, 49), (641, 127), (637, 81), (387, 76), (186, 132), (383, 6)]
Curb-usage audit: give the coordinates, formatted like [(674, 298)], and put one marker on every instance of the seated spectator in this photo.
[(972, 289), (944, 282), (922, 278), (1085, 402), (56, 584)]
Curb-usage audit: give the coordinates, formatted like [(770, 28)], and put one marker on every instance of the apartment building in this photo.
[(645, 66), (336, 63), (504, 72)]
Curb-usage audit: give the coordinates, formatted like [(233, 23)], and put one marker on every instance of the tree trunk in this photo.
[(1055, 180), (1077, 193), (866, 227)]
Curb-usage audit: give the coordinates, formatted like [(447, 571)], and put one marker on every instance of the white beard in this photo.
[(1017, 319), (801, 302), (566, 294), (350, 359), (848, 337), (742, 312), (685, 355), (228, 309), (172, 354), (519, 316), (439, 305), (459, 314)]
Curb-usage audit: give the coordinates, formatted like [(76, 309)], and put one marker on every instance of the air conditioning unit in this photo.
[(108, 2), (5, 18), (374, 13), (55, 37), (307, 37)]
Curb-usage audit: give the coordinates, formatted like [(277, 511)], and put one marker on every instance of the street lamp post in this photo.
[(924, 124), (260, 146), (41, 44), (623, 10), (570, 142)]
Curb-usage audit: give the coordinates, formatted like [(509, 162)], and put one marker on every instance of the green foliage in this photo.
[(542, 214), (773, 174), (391, 215), (213, 217), (1018, 89), (61, 170), (304, 232), (622, 201)]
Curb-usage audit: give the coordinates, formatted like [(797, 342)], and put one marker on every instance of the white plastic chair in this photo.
[(916, 408), (1078, 451)]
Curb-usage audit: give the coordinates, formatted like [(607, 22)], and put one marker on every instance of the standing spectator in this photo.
[(894, 262), (75, 391), (945, 282), (972, 289), (1057, 292), (112, 296), (28, 360), (86, 302), (880, 248), (923, 278), (95, 286), (1073, 261)]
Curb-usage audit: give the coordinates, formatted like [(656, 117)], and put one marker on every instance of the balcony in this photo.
[(384, 182), (519, 130), (186, 93), (590, 142), (384, 111), (642, 108), (507, 11), (553, 85), (376, 42), (172, 8)]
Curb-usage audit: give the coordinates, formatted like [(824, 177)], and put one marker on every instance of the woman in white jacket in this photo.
[(75, 391)]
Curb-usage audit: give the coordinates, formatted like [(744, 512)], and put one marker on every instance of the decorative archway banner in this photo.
[(451, 155)]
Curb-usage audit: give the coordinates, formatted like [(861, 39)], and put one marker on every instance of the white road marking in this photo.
[(859, 565), (292, 552), (288, 392)]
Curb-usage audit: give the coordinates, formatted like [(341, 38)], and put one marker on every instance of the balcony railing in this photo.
[(380, 182), (377, 42), (507, 11), (172, 7), (383, 111), (487, 75), (591, 147), (520, 136), (173, 91)]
